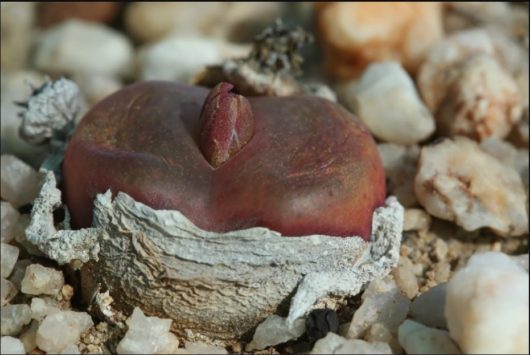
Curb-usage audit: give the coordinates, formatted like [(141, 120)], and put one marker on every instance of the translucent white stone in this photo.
[(7, 291), (274, 330), (61, 329), (19, 271), (40, 308), (9, 221), (147, 335), (335, 344), (386, 100), (20, 182), (451, 184), (9, 258), (14, 318), (487, 305), (40, 280), (10, 345), (382, 303), (415, 338), (70, 350)]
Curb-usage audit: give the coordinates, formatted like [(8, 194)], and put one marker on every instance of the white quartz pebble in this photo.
[(12, 346), (335, 344), (9, 221), (9, 258), (147, 335), (76, 46), (387, 102), (62, 329), (275, 330), (415, 338), (20, 182), (180, 58), (487, 305), (41, 307), (459, 182), (14, 318), (382, 303), (40, 280)]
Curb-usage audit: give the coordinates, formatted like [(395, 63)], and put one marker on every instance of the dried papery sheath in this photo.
[(222, 285), (62, 246), (51, 108)]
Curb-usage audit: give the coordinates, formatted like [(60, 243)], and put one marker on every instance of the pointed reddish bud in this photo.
[(227, 124)]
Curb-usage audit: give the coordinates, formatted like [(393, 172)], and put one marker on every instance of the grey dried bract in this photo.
[(51, 109)]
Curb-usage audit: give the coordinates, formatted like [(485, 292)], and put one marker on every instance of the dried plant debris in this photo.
[(50, 109), (62, 246), (244, 264), (269, 69), (49, 115)]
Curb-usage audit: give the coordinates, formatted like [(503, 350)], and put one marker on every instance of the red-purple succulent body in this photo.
[(309, 166)]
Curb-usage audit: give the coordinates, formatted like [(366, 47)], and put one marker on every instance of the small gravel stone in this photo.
[(379, 333), (382, 303), (182, 58), (335, 344), (29, 336), (416, 219), (400, 164), (147, 335), (9, 221), (464, 85), (459, 182), (62, 329), (386, 100), (10, 345), (8, 291), (71, 349), (40, 280), (14, 318), (429, 307), (20, 182), (487, 305), (9, 258), (415, 338), (41, 307), (76, 46), (274, 330), (405, 277)]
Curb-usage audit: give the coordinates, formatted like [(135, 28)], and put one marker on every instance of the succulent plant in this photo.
[(298, 165)]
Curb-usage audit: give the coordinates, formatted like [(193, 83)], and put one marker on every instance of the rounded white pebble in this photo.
[(76, 46), (487, 305), (62, 329), (459, 182), (40, 280), (147, 335), (386, 100), (416, 338), (9, 258), (10, 345), (20, 182)]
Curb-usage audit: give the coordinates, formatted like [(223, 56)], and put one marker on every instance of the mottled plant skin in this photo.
[(310, 167), (227, 124)]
